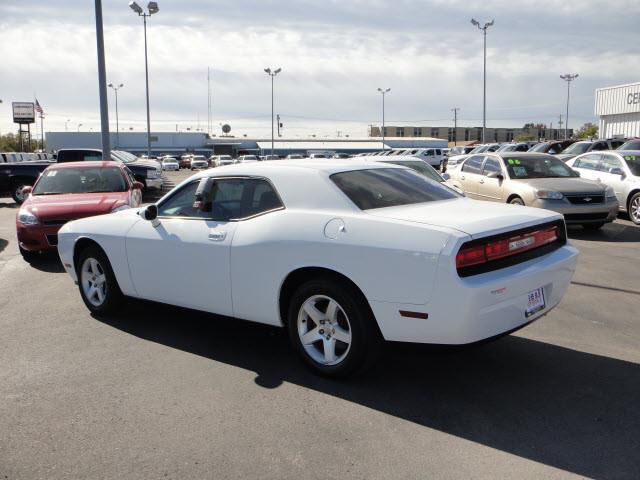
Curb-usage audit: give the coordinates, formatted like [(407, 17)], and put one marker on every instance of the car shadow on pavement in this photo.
[(567, 409), (3, 244), (47, 262), (612, 232), (10, 204)]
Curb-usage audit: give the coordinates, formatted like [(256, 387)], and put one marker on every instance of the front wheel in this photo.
[(332, 328), (16, 193), (98, 286), (634, 208)]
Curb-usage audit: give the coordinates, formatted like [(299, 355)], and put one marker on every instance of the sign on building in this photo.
[(24, 112)]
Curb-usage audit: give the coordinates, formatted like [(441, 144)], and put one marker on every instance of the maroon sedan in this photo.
[(70, 191)]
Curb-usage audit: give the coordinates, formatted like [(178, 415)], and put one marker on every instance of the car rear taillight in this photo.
[(498, 248)]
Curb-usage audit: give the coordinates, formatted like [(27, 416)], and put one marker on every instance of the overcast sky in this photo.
[(334, 55)]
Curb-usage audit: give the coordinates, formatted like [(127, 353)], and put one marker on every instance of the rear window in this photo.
[(80, 180), (380, 188)]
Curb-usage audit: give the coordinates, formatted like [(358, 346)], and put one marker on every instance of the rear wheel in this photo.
[(634, 208), (516, 201), (332, 328), (592, 226), (98, 286), (16, 192)]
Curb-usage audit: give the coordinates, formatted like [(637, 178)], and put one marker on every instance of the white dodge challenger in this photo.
[(343, 255)]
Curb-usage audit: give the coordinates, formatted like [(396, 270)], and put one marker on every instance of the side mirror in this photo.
[(150, 213), (577, 172), (446, 177), (497, 175), (27, 190), (615, 171), (138, 185), (202, 192)]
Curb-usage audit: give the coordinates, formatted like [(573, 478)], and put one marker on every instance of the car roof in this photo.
[(87, 164), (520, 154), (326, 165)]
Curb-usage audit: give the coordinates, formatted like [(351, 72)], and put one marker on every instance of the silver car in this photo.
[(619, 170), (536, 180)]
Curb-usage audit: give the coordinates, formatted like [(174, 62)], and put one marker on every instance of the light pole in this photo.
[(484, 76), (152, 8), (115, 89), (272, 74), (79, 125), (66, 124), (383, 92), (568, 77)]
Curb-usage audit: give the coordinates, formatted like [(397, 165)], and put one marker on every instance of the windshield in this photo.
[(538, 166), (479, 149), (630, 145), (541, 147), (420, 167), (80, 180), (633, 162), (123, 156), (506, 148), (577, 148), (380, 188)]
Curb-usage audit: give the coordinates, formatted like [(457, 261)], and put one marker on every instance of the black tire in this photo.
[(113, 298), (16, 189), (592, 226), (516, 201), (634, 208), (365, 337), (28, 256)]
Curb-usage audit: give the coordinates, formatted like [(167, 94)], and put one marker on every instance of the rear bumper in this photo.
[(153, 182), (471, 309), (579, 214)]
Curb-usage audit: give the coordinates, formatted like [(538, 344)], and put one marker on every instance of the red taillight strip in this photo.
[(505, 247)]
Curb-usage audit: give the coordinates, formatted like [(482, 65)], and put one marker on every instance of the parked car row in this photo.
[(15, 157)]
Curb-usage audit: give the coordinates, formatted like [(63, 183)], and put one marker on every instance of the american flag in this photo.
[(38, 107)]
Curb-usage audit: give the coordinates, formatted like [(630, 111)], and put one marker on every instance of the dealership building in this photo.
[(618, 110), (178, 143)]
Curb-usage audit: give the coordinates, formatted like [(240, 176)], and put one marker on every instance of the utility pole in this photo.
[(568, 77), (484, 73), (455, 125), (560, 124), (279, 124), (272, 74), (102, 84), (384, 93)]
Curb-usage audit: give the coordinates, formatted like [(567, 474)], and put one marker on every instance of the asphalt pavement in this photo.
[(163, 392)]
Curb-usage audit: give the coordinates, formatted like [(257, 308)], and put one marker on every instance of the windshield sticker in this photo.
[(630, 158), (510, 161), (520, 171)]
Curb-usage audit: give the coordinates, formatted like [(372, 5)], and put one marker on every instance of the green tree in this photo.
[(525, 137), (10, 142), (587, 130)]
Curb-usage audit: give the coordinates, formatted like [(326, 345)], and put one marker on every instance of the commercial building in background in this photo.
[(178, 143), (618, 109), (469, 134)]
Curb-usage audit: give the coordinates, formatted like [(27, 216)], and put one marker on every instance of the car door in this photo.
[(184, 258), (587, 165), (610, 172), (490, 187), (470, 175)]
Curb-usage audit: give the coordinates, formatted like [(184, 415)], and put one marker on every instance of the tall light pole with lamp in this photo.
[(115, 89), (484, 76), (384, 92), (79, 125), (272, 74), (152, 8), (568, 77)]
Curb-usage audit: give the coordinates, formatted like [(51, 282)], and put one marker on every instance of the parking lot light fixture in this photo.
[(568, 77), (115, 89), (484, 74), (272, 74), (383, 91), (152, 8), (79, 125)]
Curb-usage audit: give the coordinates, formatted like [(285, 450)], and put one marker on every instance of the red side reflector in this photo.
[(505, 247), (420, 315)]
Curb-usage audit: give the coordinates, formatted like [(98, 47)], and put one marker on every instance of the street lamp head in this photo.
[(277, 71), (489, 24), (473, 22), (268, 70), (135, 7), (110, 85), (153, 8), (121, 85)]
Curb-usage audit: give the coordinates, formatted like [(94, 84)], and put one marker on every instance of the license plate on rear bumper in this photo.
[(535, 302)]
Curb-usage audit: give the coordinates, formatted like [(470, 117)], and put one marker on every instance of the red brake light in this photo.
[(504, 247)]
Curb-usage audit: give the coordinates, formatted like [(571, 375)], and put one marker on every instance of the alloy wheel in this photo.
[(94, 282), (634, 209), (324, 330)]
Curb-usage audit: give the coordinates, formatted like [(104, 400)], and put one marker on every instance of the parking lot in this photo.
[(164, 392)]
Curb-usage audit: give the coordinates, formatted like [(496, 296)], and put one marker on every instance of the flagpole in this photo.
[(42, 131)]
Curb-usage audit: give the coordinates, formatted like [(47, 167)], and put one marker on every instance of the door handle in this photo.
[(217, 236), (481, 181), (462, 177)]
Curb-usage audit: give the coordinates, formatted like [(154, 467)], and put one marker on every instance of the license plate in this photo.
[(535, 302)]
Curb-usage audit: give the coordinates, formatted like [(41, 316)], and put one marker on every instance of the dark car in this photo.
[(584, 146), (15, 176), (552, 147), (633, 144)]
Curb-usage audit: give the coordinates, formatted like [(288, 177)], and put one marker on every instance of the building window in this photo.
[(509, 135), (385, 131), (479, 133), (495, 135), (435, 132), (466, 134), (417, 131), (450, 135), (400, 131)]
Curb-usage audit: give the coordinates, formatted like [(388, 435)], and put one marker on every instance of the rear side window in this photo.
[(491, 165), (588, 162), (473, 164), (380, 188)]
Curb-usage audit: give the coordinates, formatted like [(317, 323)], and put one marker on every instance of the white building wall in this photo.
[(626, 125), (618, 109)]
